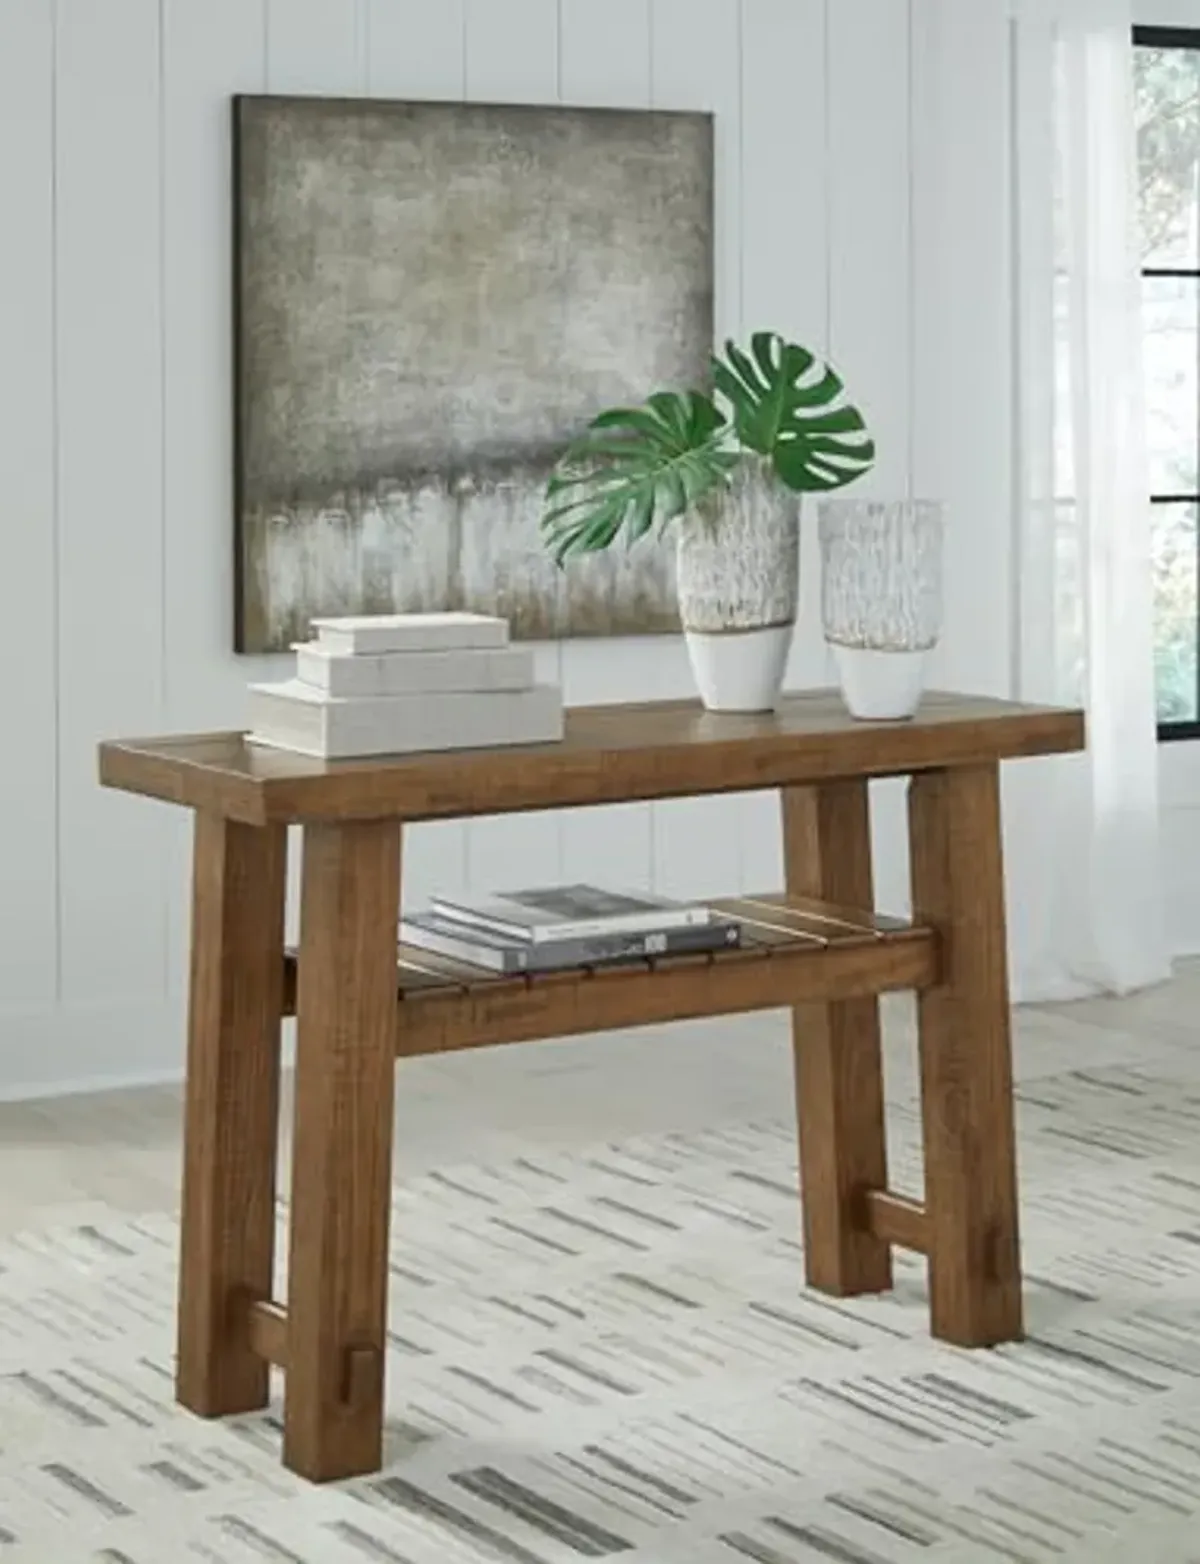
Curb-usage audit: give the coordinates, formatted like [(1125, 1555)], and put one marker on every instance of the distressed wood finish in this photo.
[(341, 1168), (839, 1069), (610, 754), (792, 946), (898, 1220), (966, 1060), (361, 1003), (231, 1112), (266, 1326)]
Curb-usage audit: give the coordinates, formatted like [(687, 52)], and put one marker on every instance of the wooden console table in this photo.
[(819, 949)]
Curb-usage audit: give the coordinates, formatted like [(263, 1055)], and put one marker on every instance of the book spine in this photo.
[(554, 955), (641, 925)]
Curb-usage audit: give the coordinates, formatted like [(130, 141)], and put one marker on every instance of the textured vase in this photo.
[(881, 600), (738, 573)]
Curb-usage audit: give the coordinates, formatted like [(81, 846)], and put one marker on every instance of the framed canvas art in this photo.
[(430, 300)]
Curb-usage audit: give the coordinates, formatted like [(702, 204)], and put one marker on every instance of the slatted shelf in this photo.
[(794, 950)]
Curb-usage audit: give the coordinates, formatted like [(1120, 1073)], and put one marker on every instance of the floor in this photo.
[(122, 1148), (1110, 1106)]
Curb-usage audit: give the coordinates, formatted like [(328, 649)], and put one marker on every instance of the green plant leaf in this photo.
[(787, 407), (634, 469)]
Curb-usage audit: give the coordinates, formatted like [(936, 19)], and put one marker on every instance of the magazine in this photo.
[(566, 912), (478, 947)]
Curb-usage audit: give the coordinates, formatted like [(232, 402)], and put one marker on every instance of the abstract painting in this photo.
[(431, 299)]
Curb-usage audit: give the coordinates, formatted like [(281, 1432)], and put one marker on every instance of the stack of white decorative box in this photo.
[(398, 683)]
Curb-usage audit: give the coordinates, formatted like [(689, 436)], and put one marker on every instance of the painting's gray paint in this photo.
[(433, 298)]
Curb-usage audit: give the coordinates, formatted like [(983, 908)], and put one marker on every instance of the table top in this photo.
[(609, 754)]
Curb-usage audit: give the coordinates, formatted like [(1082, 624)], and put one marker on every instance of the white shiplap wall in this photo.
[(861, 177)]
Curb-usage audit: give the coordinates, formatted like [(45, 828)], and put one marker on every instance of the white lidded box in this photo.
[(413, 673), (295, 716), (366, 634)]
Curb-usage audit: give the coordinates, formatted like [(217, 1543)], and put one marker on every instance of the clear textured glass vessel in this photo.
[(881, 598)]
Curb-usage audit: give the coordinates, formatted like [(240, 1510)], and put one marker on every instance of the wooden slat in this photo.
[(775, 927), (608, 754), (826, 917), (769, 927), (423, 969), (606, 1001), (415, 976), (897, 1220), (699, 958)]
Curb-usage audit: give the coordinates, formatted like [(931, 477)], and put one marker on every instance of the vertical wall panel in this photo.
[(869, 224), (512, 51), (605, 60), (785, 288), (605, 53), (512, 56), (209, 53), (696, 54), (28, 821), (417, 50), (963, 325), (316, 46), (870, 268), (110, 482)]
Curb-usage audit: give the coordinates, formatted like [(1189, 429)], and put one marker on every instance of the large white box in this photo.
[(414, 673), (365, 634), (294, 716)]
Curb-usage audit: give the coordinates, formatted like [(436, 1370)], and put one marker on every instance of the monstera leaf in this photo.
[(788, 407), (635, 468)]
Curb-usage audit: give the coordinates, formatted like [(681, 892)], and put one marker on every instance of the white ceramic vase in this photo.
[(881, 600), (880, 686), (738, 575)]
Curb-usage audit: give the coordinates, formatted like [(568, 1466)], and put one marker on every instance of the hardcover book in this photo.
[(566, 912), (445, 672), (477, 947), (365, 634), (295, 716)]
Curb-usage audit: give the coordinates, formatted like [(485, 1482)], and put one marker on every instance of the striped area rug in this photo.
[(609, 1353)]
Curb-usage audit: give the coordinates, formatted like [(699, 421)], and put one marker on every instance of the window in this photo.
[(1167, 86)]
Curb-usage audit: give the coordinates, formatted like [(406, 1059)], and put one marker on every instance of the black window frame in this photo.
[(1176, 38)]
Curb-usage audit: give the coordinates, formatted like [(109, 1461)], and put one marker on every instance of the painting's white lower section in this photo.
[(740, 670)]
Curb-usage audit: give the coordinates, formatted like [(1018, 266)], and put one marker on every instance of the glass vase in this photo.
[(881, 599)]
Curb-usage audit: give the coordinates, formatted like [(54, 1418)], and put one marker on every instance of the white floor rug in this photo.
[(610, 1354)]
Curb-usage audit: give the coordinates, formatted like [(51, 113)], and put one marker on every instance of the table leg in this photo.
[(839, 1071), (966, 1060), (231, 1110), (342, 1149)]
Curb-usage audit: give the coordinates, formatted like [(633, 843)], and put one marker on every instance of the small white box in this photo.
[(413, 673), (296, 717), (366, 634)]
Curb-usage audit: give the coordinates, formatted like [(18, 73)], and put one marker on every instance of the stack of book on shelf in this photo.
[(564, 926), (397, 683)]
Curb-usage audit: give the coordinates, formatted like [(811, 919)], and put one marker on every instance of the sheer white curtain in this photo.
[(1085, 875)]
